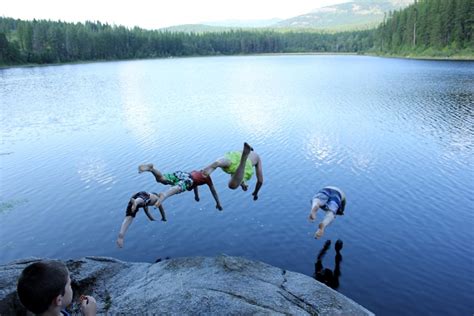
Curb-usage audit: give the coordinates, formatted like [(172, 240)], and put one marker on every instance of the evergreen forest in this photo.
[(427, 28)]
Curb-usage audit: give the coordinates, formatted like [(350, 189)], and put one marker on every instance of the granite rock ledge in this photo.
[(189, 286)]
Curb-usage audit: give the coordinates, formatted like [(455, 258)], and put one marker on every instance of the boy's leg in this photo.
[(326, 221), (156, 173), (164, 195), (238, 176), (219, 163)]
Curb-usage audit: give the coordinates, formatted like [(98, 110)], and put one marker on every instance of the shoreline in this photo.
[(431, 58)]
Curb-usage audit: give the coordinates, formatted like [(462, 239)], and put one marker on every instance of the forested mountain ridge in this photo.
[(350, 15), (353, 15), (41, 41), (438, 28), (430, 28)]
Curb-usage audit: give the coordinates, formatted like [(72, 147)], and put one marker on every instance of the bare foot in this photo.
[(145, 167), (247, 149), (320, 231), (244, 186)]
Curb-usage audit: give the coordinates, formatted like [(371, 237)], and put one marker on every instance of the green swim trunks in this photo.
[(234, 157), (181, 179)]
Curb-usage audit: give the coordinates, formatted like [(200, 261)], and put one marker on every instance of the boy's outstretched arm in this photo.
[(258, 185), (196, 194), (314, 210), (123, 230), (150, 217), (216, 197), (162, 212)]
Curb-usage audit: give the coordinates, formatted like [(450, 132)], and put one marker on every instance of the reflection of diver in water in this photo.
[(325, 275)]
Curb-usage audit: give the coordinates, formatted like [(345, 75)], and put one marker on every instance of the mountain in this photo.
[(353, 15), (196, 28), (222, 26), (244, 23), (357, 14)]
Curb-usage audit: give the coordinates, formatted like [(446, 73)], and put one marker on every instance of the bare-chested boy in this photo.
[(331, 200), (180, 181), (240, 166), (139, 200)]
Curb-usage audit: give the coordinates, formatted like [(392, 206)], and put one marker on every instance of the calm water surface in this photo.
[(396, 135)]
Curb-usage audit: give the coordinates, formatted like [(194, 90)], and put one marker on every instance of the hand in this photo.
[(219, 207), (88, 305), (120, 242), (255, 196), (196, 198)]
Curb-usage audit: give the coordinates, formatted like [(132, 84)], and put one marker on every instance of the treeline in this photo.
[(429, 27), (433, 27), (41, 41)]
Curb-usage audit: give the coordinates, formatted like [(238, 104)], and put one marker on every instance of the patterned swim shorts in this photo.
[(329, 200), (181, 179)]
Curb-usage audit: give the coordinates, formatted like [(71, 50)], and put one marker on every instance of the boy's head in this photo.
[(44, 285)]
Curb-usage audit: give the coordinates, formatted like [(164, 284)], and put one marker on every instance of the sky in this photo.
[(154, 14)]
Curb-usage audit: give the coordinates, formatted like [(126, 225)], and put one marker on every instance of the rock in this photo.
[(196, 285)]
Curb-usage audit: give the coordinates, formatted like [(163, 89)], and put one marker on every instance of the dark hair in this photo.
[(40, 283)]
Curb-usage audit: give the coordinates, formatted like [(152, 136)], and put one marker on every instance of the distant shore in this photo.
[(434, 58), (421, 57)]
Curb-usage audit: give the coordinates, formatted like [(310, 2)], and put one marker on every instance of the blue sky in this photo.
[(152, 14)]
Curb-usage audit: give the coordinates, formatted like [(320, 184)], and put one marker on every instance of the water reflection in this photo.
[(320, 150), (137, 113), (326, 150), (254, 118), (94, 169), (325, 275), (360, 162)]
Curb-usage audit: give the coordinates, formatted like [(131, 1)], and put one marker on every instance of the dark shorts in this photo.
[(144, 196)]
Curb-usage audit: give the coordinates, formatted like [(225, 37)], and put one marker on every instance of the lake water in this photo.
[(396, 135)]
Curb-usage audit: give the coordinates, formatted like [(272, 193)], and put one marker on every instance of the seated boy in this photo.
[(44, 288), (333, 201)]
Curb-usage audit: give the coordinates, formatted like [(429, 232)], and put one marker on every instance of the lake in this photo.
[(396, 135)]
